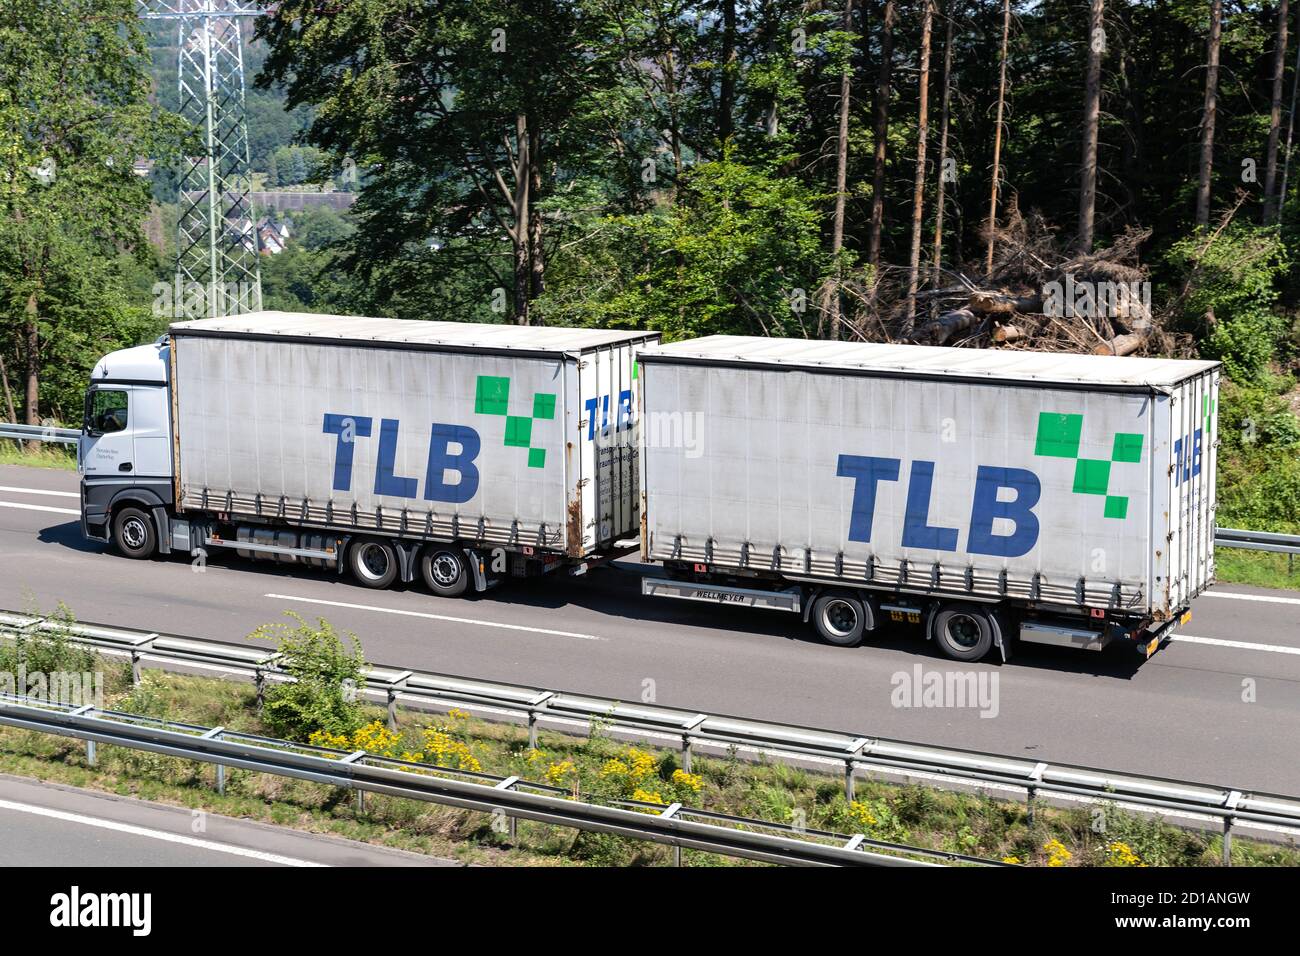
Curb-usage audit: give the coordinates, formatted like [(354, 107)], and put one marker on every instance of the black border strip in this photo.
[(650, 358)]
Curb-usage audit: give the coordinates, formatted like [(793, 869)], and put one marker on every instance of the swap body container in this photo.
[(501, 434), (1046, 478)]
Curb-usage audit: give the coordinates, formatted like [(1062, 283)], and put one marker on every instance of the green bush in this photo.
[(326, 692), (1259, 459), (50, 651)]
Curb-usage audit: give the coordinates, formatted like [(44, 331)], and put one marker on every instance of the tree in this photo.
[(1208, 113), (881, 134), (1272, 202), (69, 202), (997, 138), (841, 171), (461, 114), (937, 266), (1091, 124), (922, 132)]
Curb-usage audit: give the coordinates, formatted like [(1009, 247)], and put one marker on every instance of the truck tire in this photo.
[(373, 562), (964, 632), (840, 618), (133, 533), (443, 570)]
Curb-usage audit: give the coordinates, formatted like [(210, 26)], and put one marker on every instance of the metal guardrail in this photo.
[(674, 825), (1257, 540), (854, 753), (46, 433)]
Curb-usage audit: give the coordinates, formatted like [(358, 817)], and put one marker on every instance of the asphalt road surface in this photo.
[(44, 824), (1220, 704)]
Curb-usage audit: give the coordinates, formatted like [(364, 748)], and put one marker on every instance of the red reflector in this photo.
[(1096, 612), (701, 568)]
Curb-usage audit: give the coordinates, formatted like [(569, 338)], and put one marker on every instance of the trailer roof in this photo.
[(1055, 368), (409, 333)]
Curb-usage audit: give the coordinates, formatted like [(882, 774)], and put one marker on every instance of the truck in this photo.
[(454, 453), (985, 496)]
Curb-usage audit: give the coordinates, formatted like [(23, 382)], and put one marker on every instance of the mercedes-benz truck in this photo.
[(454, 453)]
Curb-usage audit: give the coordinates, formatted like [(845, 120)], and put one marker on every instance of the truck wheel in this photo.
[(133, 533), (373, 562), (444, 571), (962, 631), (840, 619)]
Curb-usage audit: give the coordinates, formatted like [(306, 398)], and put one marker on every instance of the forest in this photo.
[(1082, 175)]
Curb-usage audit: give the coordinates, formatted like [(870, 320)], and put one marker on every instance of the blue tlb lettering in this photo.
[(347, 427), (916, 532), (441, 460), (986, 508), (387, 483), (866, 473)]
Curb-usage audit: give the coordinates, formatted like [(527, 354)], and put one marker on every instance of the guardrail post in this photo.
[(90, 752), (1031, 792), (687, 740), (259, 681), (671, 811), (135, 668), (361, 794), (1234, 797), (535, 707), (396, 684), (513, 824), (850, 767), (215, 734)]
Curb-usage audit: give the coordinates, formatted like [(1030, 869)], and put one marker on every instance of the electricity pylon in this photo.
[(217, 242)]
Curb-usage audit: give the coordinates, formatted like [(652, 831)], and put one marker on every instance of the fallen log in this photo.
[(947, 325), (1120, 345), (999, 303), (1005, 334)]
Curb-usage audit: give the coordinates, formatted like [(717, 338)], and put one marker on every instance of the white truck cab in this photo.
[(124, 454)]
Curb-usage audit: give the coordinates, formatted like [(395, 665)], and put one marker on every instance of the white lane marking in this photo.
[(39, 491), (27, 507), (156, 834), (1238, 596), (438, 617), (1240, 645)]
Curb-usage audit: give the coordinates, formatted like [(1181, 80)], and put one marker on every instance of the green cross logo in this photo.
[(1058, 437), (492, 397)]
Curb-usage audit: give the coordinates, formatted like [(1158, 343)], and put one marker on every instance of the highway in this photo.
[(44, 824), (1221, 704)]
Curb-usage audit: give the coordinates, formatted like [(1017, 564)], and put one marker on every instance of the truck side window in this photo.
[(107, 411)]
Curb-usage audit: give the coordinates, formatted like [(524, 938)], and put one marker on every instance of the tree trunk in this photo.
[(32, 345), (1091, 125), (937, 270), (1290, 132), (881, 135), (11, 415), (841, 180), (1271, 205), (1207, 117), (918, 185), (997, 138), (727, 87), (536, 254), (521, 218)]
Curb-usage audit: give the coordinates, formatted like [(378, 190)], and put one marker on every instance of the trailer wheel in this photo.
[(840, 618), (133, 533), (444, 571), (373, 562), (963, 632)]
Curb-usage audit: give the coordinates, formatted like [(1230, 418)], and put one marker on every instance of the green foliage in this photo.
[(1259, 456), (737, 253), (69, 201), (328, 679), (49, 651), (1233, 290)]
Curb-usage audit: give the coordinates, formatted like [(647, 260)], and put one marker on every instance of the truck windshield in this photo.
[(105, 411)]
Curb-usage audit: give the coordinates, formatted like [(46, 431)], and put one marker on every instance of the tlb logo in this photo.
[(1058, 437), (492, 397), (452, 451)]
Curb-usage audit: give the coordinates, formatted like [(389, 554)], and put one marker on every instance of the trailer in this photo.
[(985, 496), (455, 453)]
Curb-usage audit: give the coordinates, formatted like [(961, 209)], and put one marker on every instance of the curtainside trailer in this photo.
[(453, 453), (985, 496)]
